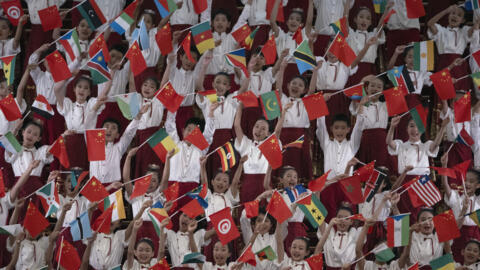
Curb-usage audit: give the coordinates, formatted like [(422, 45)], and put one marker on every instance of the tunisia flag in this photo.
[(269, 51), (50, 18), (352, 189), (58, 67), (270, 148), (278, 209), (34, 221), (164, 39), (446, 226), (223, 223), (196, 138), (462, 109), (95, 144), (315, 106), (59, 150), (415, 9), (141, 186), (94, 190), (13, 10)]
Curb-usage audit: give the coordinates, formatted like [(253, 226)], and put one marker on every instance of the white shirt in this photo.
[(5, 205), (153, 117), (256, 162), (450, 40), (110, 9), (339, 153), (6, 47), (285, 41), (367, 209), (475, 266), (453, 129), (108, 170), (333, 76), (225, 114), (414, 154), (425, 248), (152, 54), (107, 250), (475, 128), (261, 81), (456, 203), (399, 20), (358, 39), (328, 11), (22, 160), (185, 165), (183, 81), (80, 204), (375, 115), (75, 114), (300, 265), (178, 245), (218, 201), (35, 5), (370, 265), (258, 12), (419, 79), (138, 202), (32, 253), (119, 82), (184, 15), (138, 266), (339, 248), (5, 125), (212, 266), (296, 116)]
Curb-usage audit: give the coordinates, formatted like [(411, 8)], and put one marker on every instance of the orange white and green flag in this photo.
[(423, 56)]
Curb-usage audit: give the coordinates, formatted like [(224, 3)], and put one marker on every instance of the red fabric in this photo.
[(248, 256), (457, 154), (405, 204), (169, 97), (260, 37), (137, 61), (374, 235), (145, 155), (196, 138), (299, 158), (401, 130), (10, 108), (400, 37), (7, 172), (251, 208), (13, 10), (183, 187), (395, 100), (50, 18), (249, 99), (95, 144), (76, 150), (224, 225), (59, 150), (462, 109), (446, 226), (186, 45), (315, 106), (444, 60), (414, 9), (99, 44), (379, 153), (270, 149), (102, 223), (58, 67), (332, 196), (34, 221), (269, 51), (442, 81), (277, 208), (94, 190), (466, 233), (342, 50), (251, 187), (68, 257), (280, 16), (183, 114), (352, 189), (295, 229), (141, 186), (164, 39), (199, 5)]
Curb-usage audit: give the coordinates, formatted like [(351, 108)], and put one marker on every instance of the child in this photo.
[(185, 16), (11, 46), (475, 128), (221, 254), (471, 256), (140, 253), (298, 251)]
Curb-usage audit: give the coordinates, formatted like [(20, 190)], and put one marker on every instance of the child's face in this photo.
[(471, 254), (187, 64), (220, 183), (153, 183), (31, 135), (409, 59), (4, 30), (294, 21), (144, 253), (331, 57), (260, 130), (84, 31), (426, 227), (363, 20), (298, 250), (221, 253), (471, 183), (221, 84), (339, 129), (82, 91), (112, 133), (188, 129), (412, 130), (344, 224), (115, 57), (289, 179), (221, 23), (260, 63), (296, 88), (374, 86), (184, 220), (148, 20), (149, 88), (268, 223), (456, 17), (4, 90)]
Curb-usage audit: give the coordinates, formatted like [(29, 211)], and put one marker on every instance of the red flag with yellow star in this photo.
[(342, 50), (446, 226), (187, 45), (97, 45), (396, 103), (58, 67), (169, 97), (462, 109), (164, 39), (315, 262), (161, 265), (241, 33), (269, 51), (272, 151), (95, 144), (34, 221), (315, 106), (277, 208), (352, 189), (137, 61), (94, 191), (442, 81), (50, 18), (59, 150), (67, 256)]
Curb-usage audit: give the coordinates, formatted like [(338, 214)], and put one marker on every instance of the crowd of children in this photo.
[(318, 130)]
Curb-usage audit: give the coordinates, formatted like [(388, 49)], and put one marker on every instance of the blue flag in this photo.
[(141, 34), (295, 192), (80, 227)]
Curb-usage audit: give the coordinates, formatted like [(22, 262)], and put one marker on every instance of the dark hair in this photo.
[(147, 241), (9, 24), (113, 121), (258, 50), (270, 123), (221, 73), (371, 15), (476, 173), (193, 50), (119, 47), (340, 117), (304, 239), (219, 171), (84, 78), (299, 11), (36, 124), (221, 11), (405, 52), (423, 210), (285, 169), (346, 208), (262, 211), (384, 178), (154, 80), (152, 16), (3, 79), (472, 241), (200, 123), (305, 82), (153, 168)]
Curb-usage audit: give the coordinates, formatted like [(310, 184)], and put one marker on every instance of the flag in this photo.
[(95, 144), (226, 154), (297, 36), (171, 193), (476, 57), (137, 61), (94, 191), (187, 46), (162, 143), (315, 212), (446, 226), (465, 138), (161, 265), (372, 186), (80, 227), (103, 222), (241, 33), (50, 18), (462, 109), (414, 9), (295, 192), (315, 261), (390, 13), (8, 66), (13, 10), (319, 183), (129, 104), (359, 217), (141, 35), (237, 59), (199, 5), (315, 106), (462, 168), (10, 143), (277, 208), (194, 257), (423, 56), (269, 51), (396, 103), (476, 78), (224, 225), (472, 4), (92, 14), (141, 186), (340, 26), (445, 171), (164, 39), (157, 214), (10, 108), (34, 221), (196, 138), (249, 39), (400, 77), (99, 69), (251, 208), (398, 230), (248, 98), (271, 105), (442, 81), (169, 97), (379, 6), (48, 195), (99, 44), (269, 8), (383, 253), (342, 50), (203, 37), (115, 199), (352, 189), (165, 7), (67, 256), (413, 267), (266, 253), (248, 256), (77, 177), (475, 216), (2, 184), (354, 92), (10, 229), (424, 192), (304, 57), (58, 67), (199, 191), (59, 150), (70, 44), (122, 23), (42, 107), (195, 207), (272, 151), (419, 115), (365, 172), (298, 143), (444, 262), (211, 95)]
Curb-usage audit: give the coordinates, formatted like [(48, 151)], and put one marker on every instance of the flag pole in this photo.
[(134, 180), (243, 252), (378, 75), (463, 184), (26, 115), (461, 78), (231, 208), (449, 148), (60, 254), (343, 90), (405, 189), (331, 43), (31, 194), (211, 152)]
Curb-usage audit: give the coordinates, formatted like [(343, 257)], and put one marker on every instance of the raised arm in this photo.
[(267, 180), (16, 252), (166, 171), (162, 238), (398, 51), (235, 185), (207, 59), (126, 170), (52, 239), (281, 119), (402, 176), (309, 20), (237, 123), (87, 252), (361, 242), (66, 207), (431, 23), (131, 225), (313, 80), (446, 186), (278, 63), (23, 84), (323, 239), (371, 41), (18, 32), (381, 21), (279, 240), (393, 124), (59, 90), (273, 18), (438, 139), (131, 242), (280, 74)]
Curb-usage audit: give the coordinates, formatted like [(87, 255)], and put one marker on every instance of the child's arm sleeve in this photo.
[(321, 132), (394, 152), (356, 137), (44, 155), (209, 131), (242, 19), (128, 135), (171, 127)]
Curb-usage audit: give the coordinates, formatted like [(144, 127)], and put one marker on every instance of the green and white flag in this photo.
[(194, 257), (10, 229), (129, 104), (383, 253), (10, 143)]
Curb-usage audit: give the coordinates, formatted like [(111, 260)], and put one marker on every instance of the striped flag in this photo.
[(8, 66), (340, 26), (10, 229), (99, 69), (80, 227), (419, 115), (203, 37), (227, 156), (70, 44), (304, 57), (237, 59), (92, 14), (10, 143), (297, 143), (476, 78), (42, 107), (465, 138), (121, 23), (475, 216), (424, 192), (161, 143), (129, 104), (398, 230), (423, 57), (116, 199)]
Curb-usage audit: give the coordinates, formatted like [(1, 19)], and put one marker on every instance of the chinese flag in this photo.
[(298, 36), (67, 256), (164, 39), (315, 262), (130, 9), (352, 189), (280, 16), (34, 221), (13, 10), (97, 45), (357, 217), (161, 265), (50, 18), (2, 185), (442, 81), (59, 150), (196, 138), (58, 67), (395, 100), (141, 186), (248, 256), (446, 226), (462, 168), (319, 183), (10, 108), (251, 208), (137, 61), (445, 171), (277, 208), (103, 222), (94, 190), (171, 193), (365, 172), (415, 9), (95, 144), (241, 33), (223, 224), (192, 209), (270, 148), (186, 45), (199, 6), (342, 50), (269, 51), (169, 97), (462, 109), (248, 98), (315, 106)]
